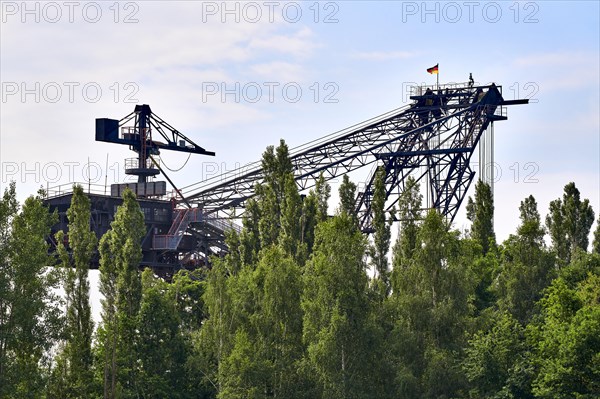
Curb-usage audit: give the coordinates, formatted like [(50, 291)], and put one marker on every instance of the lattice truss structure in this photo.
[(433, 139)]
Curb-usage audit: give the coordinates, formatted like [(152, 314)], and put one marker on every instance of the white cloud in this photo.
[(300, 44), (279, 71), (384, 55)]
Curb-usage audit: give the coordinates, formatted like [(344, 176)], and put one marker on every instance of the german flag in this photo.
[(433, 69)]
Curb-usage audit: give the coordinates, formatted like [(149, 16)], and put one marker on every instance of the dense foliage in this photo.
[(304, 305)]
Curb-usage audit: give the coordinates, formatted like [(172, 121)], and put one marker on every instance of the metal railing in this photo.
[(127, 132), (181, 222), (420, 90), (67, 188), (222, 224), (134, 163)]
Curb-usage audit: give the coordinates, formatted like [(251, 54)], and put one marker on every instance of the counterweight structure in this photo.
[(432, 139)]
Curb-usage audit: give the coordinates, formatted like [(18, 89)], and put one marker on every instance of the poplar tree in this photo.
[(409, 214), (161, 350), (322, 192), (569, 222), (250, 237), (214, 341), (271, 194), (596, 243), (29, 306), (432, 314), (290, 237), (481, 212), (382, 234), (9, 208), (314, 211), (337, 330), (79, 325), (267, 342), (526, 265), (120, 256), (347, 192)]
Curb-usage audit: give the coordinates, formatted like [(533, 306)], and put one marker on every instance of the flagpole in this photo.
[(438, 77)]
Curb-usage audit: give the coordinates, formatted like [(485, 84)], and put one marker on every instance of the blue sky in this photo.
[(362, 55)]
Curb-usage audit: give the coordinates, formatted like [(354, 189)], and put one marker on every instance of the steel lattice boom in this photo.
[(433, 138)]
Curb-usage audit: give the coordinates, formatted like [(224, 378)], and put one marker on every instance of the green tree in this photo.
[(250, 236), (267, 343), (29, 306), (483, 270), (120, 256), (481, 212), (382, 234), (596, 244), (314, 211), (162, 351), (290, 237), (347, 192), (432, 315), (336, 313), (79, 325), (229, 299), (569, 222), (9, 208), (526, 266), (241, 371), (212, 343), (322, 192), (496, 361), (278, 320), (186, 291), (252, 336), (279, 214), (276, 166), (309, 221), (106, 350), (269, 225), (410, 214), (566, 341), (276, 213), (530, 229), (480, 243)]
